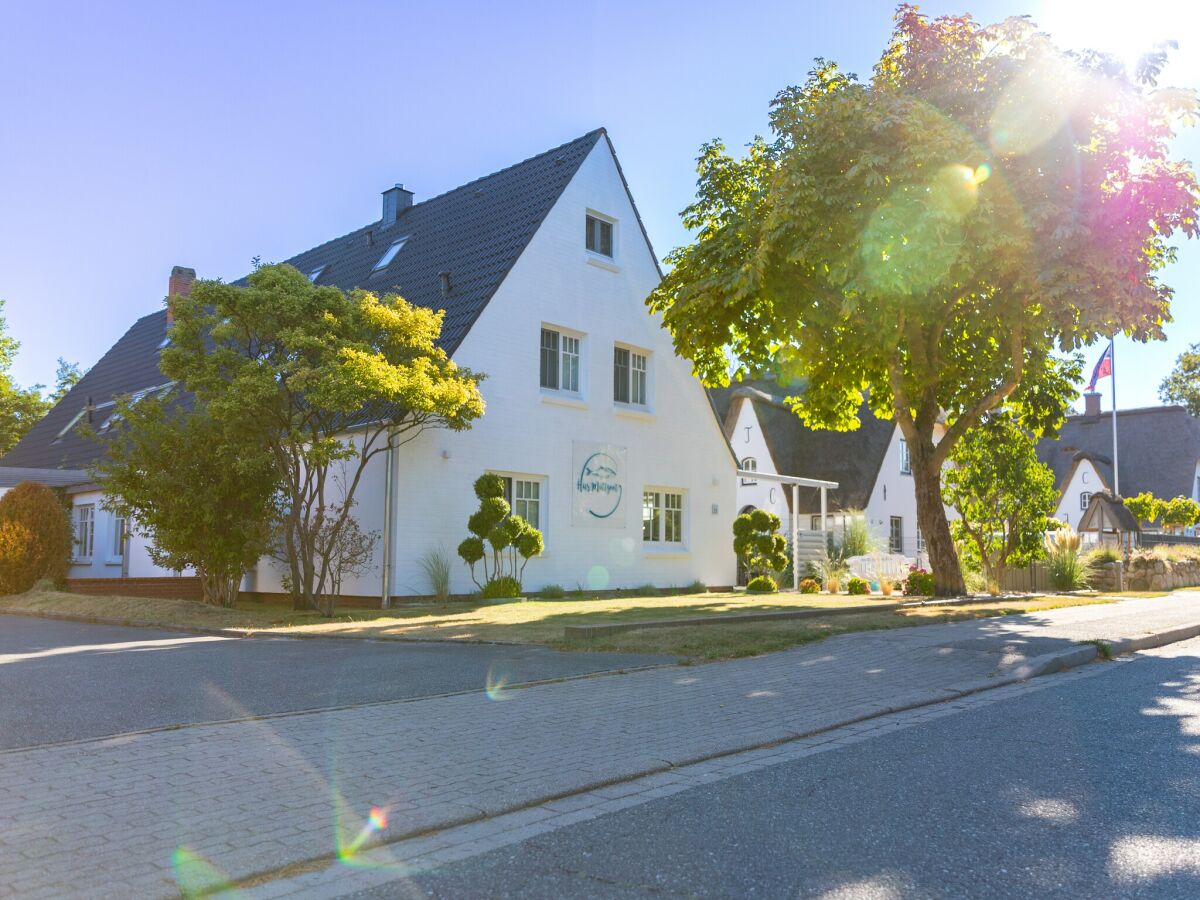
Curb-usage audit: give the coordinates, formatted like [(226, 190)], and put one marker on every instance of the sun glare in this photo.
[(1127, 30)]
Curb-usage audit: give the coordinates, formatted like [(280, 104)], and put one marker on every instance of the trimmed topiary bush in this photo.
[(858, 586), (758, 544), (35, 538), (762, 584), (810, 586), (502, 542)]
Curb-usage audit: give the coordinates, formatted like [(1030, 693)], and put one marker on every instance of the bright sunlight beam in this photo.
[(1128, 29)]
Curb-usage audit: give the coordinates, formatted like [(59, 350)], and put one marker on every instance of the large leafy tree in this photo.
[(1182, 386), (326, 382), (1003, 496), (201, 494), (930, 238), (20, 408)]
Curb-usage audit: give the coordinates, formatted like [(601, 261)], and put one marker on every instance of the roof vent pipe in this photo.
[(445, 277), (395, 201)]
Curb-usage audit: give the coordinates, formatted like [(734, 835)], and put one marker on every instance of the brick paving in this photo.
[(109, 817)]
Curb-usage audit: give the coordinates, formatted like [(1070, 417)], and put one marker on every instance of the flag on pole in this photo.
[(1104, 368)]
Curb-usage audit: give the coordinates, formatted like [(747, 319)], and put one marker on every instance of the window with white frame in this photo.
[(116, 550), (749, 464), (559, 362), (631, 371), (896, 535), (524, 497), (920, 540), (662, 517), (1085, 499), (85, 531), (599, 237), (905, 459)]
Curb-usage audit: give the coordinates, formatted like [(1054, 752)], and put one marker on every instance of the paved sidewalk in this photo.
[(113, 817)]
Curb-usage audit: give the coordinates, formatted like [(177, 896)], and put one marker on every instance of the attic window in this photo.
[(319, 271), (598, 237), (390, 254)]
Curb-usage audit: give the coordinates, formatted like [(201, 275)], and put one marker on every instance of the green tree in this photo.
[(1002, 494), (1179, 513), (326, 382), (66, 376), (930, 238), (203, 496), (1182, 386), (1145, 507), (20, 408)]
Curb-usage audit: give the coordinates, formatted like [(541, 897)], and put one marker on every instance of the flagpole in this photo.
[(1112, 356)]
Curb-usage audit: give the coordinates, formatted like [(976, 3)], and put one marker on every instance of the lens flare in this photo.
[(622, 551), (597, 578), (496, 684), (1034, 107), (376, 822), (195, 876)]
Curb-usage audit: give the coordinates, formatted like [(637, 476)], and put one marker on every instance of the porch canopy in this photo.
[(797, 483)]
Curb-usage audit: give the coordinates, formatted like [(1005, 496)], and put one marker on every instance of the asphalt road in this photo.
[(65, 681), (1090, 789)]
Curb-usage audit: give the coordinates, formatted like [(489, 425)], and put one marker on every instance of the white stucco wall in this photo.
[(105, 560), (747, 440), (1085, 479)]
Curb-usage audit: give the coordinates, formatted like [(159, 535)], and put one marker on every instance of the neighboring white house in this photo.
[(606, 441), (1159, 454), (870, 465)]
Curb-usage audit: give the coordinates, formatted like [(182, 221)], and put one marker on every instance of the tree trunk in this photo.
[(931, 516)]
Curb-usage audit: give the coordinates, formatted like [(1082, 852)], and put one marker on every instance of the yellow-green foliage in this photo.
[(35, 538)]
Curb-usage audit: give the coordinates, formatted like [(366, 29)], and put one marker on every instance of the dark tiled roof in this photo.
[(851, 458), (11, 476), (1159, 448), (475, 232)]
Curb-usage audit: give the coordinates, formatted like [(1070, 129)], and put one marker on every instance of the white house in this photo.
[(1159, 454), (870, 465), (606, 441)]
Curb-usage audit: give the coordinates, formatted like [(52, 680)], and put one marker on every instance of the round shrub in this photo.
[(858, 586), (919, 583), (489, 485), (35, 538), (763, 584), (503, 588), (810, 586)]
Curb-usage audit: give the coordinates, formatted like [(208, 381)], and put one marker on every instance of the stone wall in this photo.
[(1146, 572)]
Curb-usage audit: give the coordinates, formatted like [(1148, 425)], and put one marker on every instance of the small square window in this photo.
[(662, 517), (599, 237), (390, 253)]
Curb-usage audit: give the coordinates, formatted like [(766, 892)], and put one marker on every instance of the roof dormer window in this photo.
[(390, 254), (320, 270)]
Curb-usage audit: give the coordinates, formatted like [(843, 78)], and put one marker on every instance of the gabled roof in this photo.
[(851, 458), (475, 233), (1159, 448)]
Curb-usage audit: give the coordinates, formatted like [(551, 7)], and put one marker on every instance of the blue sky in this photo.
[(136, 136)]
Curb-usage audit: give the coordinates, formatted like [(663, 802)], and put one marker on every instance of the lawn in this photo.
[(542, 621)]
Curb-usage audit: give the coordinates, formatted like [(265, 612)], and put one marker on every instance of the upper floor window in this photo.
[(630, 376), (85, 531), (599, 237), (559, 369), (320, 270), (1085, 500), (749, 464), (905, 459)]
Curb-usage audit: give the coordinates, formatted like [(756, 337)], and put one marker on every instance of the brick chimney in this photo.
[(1091, 404), (395, 201), (180, 285)]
